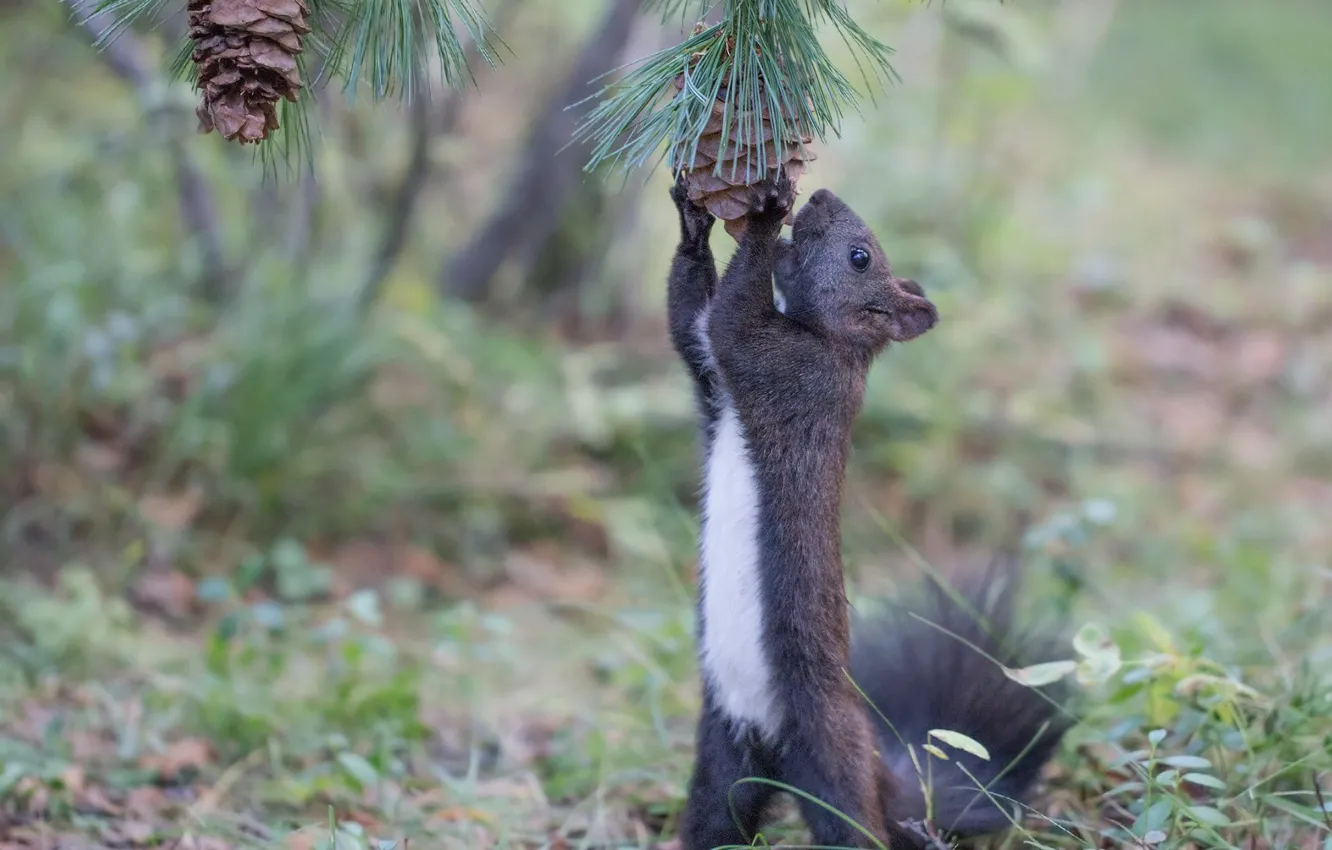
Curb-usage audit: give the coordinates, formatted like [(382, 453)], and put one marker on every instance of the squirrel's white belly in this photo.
[(732, 654)]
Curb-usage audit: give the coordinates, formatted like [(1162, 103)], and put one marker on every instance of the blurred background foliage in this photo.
[(384, 470)]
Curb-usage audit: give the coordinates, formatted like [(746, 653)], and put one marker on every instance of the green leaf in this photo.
[(1154, 817), (1304, 813), (1209, 816), (11, 775), (1187, 762), (1131, 787), (1038, 675), (1092, 640), (364, 606), (250, 571), (269, 614), (959, 741), (1205, 779), (1100, 655), (212, 590), (360, 770)]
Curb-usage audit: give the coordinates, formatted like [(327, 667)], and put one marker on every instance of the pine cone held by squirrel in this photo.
[(729, 194)]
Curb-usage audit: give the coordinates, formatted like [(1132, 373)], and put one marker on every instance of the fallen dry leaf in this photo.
[(57, 482), (1260, 357), (180, 756), (304, 839), (134, 832), (32, 794), (146, 800), (171, 511), (100, 458), (94, 799), (365, 819), (366, 563), (89, 745), (456, 814), (166, 591), (543, 577)]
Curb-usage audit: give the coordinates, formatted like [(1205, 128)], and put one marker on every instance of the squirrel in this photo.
[(785, 678)]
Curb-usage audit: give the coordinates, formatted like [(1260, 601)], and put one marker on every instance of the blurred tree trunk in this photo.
[(553, 220), (127, 59)]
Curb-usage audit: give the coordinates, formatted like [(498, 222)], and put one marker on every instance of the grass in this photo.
[(279, 574)]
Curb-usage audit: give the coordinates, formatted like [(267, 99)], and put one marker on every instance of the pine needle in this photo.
[(125, 13)]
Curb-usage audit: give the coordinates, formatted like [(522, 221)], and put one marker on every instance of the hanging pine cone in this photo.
[(246, 52), (728, 194)]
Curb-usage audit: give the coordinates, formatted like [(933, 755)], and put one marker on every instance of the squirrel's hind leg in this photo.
[(829, 753), (721, 810)]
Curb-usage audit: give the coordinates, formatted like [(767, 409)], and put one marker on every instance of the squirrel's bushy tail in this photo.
[(923, 665)]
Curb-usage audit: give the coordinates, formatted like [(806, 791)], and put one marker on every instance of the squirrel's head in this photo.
[(835, 279)]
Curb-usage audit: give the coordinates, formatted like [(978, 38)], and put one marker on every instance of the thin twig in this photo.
[(124, 55)]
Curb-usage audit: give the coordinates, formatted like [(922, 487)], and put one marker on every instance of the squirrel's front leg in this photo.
[(744, 300), (692, 282)]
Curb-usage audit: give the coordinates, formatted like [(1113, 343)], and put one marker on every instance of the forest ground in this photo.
[(281, 576)]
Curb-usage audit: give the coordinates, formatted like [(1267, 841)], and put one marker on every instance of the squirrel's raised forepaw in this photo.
[(695, 220), (774, 198), (679, 193)]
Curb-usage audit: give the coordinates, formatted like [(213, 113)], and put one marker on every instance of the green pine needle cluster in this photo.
[(756, 41)]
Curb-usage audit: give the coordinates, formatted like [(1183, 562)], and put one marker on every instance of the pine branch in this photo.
[(756, 42), (763, 55), (383, 46)]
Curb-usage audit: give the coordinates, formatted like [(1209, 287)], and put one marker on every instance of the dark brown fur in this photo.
[(797, 381)]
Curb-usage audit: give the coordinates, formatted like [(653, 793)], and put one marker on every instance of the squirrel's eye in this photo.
[(860, 259)]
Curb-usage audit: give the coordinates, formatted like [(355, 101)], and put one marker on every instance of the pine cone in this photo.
[(246, 52), (728, 194)]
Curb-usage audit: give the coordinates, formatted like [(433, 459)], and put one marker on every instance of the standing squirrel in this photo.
[(777, 393)]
